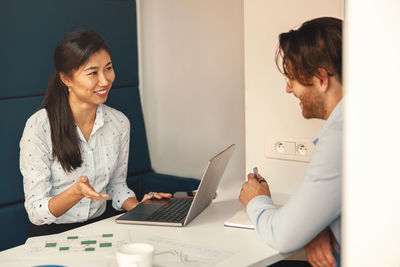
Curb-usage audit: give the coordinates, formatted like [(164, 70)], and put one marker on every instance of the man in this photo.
[(311, 60)]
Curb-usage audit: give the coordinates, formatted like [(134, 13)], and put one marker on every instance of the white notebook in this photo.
[(240, 220)]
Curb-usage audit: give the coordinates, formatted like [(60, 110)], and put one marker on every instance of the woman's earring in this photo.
[(69, 90)]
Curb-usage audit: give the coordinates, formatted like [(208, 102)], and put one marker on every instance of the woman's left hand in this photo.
[(132, 202), (156, 195)]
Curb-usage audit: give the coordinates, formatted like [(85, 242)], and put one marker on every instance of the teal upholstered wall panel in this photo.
[(30, 30), (13, 115), (14, 226)]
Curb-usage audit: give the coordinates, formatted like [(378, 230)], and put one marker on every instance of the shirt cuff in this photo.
[(43, 214), (119, 195), (257, 205)]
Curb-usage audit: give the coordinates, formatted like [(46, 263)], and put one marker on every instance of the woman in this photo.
[(74, 151)]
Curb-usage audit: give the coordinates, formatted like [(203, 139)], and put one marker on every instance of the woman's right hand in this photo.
[(84, 189)]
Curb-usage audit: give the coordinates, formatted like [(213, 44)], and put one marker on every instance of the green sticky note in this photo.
[(51, 245), (107, 235), (72, 237), (88, 242), (89, 249), (64, 248), (103, 245)]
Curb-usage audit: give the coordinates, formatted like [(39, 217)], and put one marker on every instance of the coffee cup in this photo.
[(135, 255)]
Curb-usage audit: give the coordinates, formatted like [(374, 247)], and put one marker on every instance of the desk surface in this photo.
[(205, 230)]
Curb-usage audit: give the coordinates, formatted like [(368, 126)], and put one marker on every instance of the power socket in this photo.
[(288, 148)]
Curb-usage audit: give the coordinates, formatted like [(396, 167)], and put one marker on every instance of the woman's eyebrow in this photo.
[(91, 68), (95, 67)]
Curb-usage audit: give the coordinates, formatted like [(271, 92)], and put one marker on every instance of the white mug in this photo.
[(135, 255)]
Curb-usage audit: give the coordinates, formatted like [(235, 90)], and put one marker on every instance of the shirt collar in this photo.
[(336, 115)]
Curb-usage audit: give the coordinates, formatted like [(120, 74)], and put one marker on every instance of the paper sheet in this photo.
[(169, 252), (72, 243), (47, 263)]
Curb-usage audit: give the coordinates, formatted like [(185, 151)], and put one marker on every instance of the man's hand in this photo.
[(253, 188), (84, 189), (319, 250)]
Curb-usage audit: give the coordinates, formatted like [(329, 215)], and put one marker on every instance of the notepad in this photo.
[(240, 220)]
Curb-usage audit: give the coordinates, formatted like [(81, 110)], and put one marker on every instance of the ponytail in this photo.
[(64, 136)]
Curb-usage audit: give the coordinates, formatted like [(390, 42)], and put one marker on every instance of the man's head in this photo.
[(311, 60)]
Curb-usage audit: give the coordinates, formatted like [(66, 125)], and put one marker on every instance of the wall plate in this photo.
[(297, 149)]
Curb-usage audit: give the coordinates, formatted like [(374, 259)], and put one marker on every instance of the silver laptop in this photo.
[(180, 211)]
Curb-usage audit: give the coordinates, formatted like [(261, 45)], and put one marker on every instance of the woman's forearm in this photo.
[(130, 203), (61, 203)]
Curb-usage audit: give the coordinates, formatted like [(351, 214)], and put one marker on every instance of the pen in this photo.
[(255, 173)]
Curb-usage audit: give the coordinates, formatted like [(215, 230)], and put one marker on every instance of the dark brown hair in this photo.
[(316, 44), (73, 51)]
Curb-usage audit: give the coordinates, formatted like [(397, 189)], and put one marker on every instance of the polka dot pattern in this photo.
[(104, 156)]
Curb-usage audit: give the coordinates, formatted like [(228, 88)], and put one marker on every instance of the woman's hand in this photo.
[(84, 189), (156, 195), (61, 203), (132, 202)]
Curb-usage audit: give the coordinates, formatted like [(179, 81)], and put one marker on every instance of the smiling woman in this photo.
[(88, 87), (74, 151), (92, 79)]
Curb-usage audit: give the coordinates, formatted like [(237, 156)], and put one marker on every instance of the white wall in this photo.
[(193, 96), (371, 218), (269, 110), (192, 83)]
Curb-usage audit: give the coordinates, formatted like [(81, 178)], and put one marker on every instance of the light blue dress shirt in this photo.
[(105, 163), (317, 202)]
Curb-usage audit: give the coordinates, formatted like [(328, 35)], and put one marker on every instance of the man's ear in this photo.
[(323, 78), (65, 79)]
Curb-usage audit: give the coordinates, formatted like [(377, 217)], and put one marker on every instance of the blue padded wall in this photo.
[(13, 115), (30, 30), (14, 225)]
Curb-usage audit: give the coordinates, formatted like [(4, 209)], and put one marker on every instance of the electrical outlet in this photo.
[(302, 149), (285, 148), (288, 148)]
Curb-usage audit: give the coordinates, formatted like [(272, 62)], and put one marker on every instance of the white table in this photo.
[(205, 230)]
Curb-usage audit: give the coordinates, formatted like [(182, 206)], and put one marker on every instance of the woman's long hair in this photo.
[(73, 51)]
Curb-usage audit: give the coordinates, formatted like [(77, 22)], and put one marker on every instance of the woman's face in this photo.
[(90, 84)]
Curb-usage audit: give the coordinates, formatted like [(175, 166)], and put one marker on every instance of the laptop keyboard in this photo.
[(175, 211)]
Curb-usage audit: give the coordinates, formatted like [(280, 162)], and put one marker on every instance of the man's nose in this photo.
[(289, 90)]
